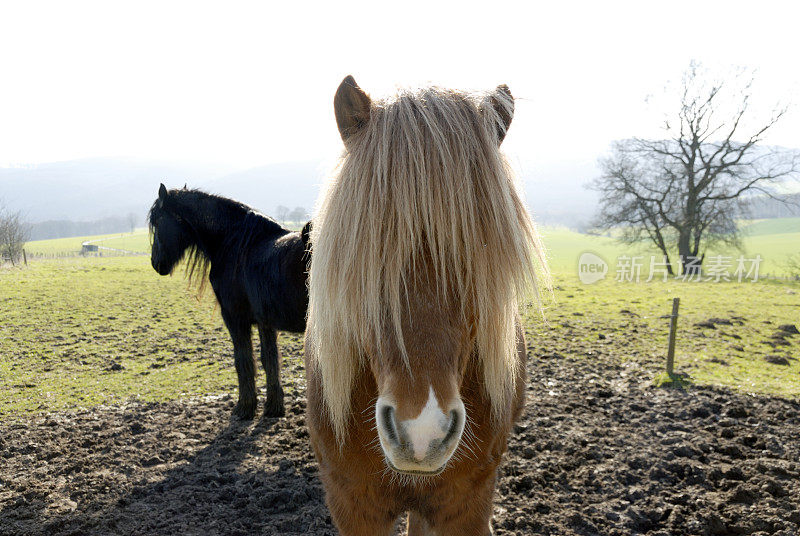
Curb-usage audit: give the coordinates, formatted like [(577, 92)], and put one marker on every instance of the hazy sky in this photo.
[(246, 83)]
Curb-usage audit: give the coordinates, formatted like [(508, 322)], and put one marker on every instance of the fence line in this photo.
[(34, 255)]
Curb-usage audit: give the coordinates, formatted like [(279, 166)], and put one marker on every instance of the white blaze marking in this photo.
[(431, 424)]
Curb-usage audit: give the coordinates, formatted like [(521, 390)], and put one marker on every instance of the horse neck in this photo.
[(210, 222)]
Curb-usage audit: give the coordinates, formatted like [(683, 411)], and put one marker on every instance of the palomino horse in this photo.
[(256, 268), (423, 251)]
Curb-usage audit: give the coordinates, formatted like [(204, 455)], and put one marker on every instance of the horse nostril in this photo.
[(389, 424), (454, 429)]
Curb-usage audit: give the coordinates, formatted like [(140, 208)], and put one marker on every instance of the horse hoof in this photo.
[(273, 407), (274, 410), (244, 412)]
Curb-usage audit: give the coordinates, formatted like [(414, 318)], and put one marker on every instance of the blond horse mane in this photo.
[(423, 178)]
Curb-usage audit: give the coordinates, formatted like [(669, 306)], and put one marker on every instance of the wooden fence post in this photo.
[(673, 328), (25, 257)]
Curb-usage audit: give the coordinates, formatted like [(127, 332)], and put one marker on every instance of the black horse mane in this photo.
[(243, 225)]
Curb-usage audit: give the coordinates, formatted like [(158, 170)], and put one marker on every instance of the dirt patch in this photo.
[(789, 329), (594, 454)]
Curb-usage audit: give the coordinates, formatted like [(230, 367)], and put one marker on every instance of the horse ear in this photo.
[(162, 192), (503, 103), (305, 234), (351, 106)]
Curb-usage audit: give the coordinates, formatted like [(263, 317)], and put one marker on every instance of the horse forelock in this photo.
[(423, 181)]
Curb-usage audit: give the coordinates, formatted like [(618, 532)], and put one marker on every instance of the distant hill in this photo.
[(48, 229), (95, 191), (785, 206), (102, 189), (291, 184), (98, 189), (92, 189), (556, 192)]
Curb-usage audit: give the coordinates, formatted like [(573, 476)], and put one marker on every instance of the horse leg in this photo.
[(245, 367), (471, 523), (417, 526), (270, 359), (358, 516), (473, 516)]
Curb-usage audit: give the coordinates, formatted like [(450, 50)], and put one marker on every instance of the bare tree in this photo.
[(14, 232), (299, 214), (688, 190), (281, 213), (131, 219), (792, 265)]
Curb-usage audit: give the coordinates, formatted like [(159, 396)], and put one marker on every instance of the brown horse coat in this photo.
[(365, 499), (415, 358)]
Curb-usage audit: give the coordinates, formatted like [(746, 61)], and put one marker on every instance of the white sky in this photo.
[(251, 83)]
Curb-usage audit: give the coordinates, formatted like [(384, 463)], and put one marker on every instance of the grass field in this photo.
[(773, 226), (66, 322), (630, 321), (103, 330), (774, 240), (137, 241)]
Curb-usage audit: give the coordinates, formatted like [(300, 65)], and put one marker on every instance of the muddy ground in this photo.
[(595, 454)]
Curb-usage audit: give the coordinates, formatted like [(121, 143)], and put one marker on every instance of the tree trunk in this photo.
[(670, 271), (663, 249), (691, 264)]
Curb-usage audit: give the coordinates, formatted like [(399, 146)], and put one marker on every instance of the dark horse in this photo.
[(256, 268)]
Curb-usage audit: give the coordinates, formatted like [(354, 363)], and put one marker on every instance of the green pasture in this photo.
[(774, 240), (726, 331), (772, 226), (77, 332), (137, 241)]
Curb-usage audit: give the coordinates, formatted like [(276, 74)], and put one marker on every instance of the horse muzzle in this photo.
[(422, 445), (159, 267)]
